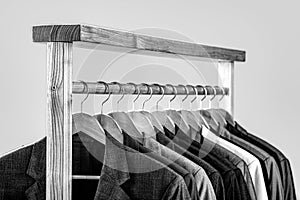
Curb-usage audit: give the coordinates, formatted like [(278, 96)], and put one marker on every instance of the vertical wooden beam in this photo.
[(59, 121), (226, 79)]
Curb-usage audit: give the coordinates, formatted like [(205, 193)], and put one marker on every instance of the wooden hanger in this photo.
[(144, 118), (111, 126), (141, 122), (162, 117), (107, 122), (125, 122), (154, 121), (165, 120), (207, 113), (215, 113), (197, 113), (83, 122), (175, 116), (228, 118), (187, 115), (199, 118)]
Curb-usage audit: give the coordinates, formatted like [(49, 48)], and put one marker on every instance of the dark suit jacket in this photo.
[(23, 173), (281, 160)]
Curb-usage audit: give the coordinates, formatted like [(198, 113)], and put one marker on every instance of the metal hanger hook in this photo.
[(196, 93), (186, 91), (88, 93), (215, 92), (175, 94), (135, 89), (211, 99), (151, 94), (223, 94), (121, 90), (139, 93), (161, 89), (205, 95), (109, 94), (205, 92)]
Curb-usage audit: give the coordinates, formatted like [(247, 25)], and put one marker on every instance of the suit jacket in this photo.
[(213, 175), (235, 186), (281, 160), (124, 174), (203, 184), (269, 166)]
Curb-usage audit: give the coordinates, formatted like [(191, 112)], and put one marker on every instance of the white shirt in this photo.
[(251, 161)]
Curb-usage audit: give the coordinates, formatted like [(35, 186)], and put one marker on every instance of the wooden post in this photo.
[(226, 79), (59, 121)]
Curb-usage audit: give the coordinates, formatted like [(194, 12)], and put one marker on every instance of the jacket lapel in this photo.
[(37, 170), (114, 173)]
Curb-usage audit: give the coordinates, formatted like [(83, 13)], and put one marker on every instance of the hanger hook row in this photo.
[(106, 90), (88, 93)]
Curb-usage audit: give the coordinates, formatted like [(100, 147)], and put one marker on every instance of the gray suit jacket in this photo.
[(124, 173)]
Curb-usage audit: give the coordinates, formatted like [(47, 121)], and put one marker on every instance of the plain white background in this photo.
[(267, 84)]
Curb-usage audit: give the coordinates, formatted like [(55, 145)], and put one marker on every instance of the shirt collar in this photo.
[(240, 129)]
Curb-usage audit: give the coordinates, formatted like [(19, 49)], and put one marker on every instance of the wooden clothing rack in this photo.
[(60, 41)]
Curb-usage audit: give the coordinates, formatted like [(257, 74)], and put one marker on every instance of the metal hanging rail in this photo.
[(144, 89)]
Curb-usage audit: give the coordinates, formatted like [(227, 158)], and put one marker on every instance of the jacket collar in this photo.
[(115, 166)]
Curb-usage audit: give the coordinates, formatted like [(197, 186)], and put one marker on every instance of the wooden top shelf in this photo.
[(109, 39)]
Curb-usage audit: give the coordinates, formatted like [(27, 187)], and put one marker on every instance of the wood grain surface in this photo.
[(59, 121), (226, 79), (95, 36)]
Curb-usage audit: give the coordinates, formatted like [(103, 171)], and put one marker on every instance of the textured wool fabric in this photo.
[(187, 176), (213, 175), (221, 152), (210, 145), (252, 162), (235, 187), (139, 176), (269, 166), (281, 160), (23, 173), (204, 186)]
